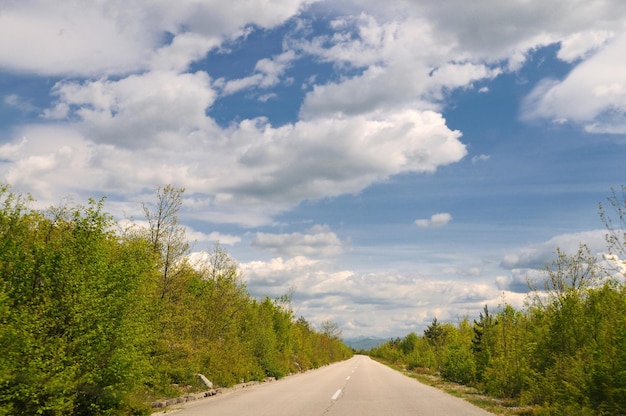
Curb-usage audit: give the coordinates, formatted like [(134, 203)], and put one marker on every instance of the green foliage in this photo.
[(97, 321), (483, 341), (439, 336), (459, 363), (506, 372), (409, 343), (73, 290)]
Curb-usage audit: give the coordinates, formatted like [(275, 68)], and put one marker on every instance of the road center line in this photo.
[(348, 378), (336, 395)]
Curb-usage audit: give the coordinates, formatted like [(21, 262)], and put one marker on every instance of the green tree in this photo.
[(459, 365), (409, 343), (508, 367), (483, 342), (437, 334)]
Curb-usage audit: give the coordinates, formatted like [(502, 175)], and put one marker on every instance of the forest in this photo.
[(100, 317), (563, 353)]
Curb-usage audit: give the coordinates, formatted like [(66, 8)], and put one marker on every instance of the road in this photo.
[(359, 386)]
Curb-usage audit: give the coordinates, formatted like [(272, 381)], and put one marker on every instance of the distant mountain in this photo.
[(364, 343)]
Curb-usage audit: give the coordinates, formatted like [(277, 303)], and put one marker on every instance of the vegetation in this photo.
[(563, 354), (98, 320)]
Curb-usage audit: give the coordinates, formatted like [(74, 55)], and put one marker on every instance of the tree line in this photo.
[(564, 353), (100, 319)]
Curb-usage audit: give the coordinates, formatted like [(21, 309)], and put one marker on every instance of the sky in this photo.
[(385, 163)]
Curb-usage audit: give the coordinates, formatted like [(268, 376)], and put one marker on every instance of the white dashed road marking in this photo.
[(336, 395)]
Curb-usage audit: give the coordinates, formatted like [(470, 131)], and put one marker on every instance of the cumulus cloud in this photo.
[(9, 150), (496, 30), (395, 73), (331, 156), (139, 109), (146, 130), (68, 39), (185, 48), (268, 73), (51, 163), (436, 220), (592, 95), (318, 241), (581, 44), (117, 37), (277, 276), (461, 43)]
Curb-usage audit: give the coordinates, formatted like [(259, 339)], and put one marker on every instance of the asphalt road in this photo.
[(359, 386)]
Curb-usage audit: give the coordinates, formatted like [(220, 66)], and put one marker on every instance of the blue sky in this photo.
[(387, 163)]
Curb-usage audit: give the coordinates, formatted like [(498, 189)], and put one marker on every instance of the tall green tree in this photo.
[(437, 336), (483, 342)]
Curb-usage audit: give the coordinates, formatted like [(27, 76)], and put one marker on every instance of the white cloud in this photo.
[(480, 158), (116, 37), (51, 38), (318, 241), (581, 44), (498, 30), (185, 48), (51, 163), (268, 73), (436, 220), (395, 74), (266, 97), (9, 151), (454, 75), (144, 131), (138, 109), (593, 94), (198, 237), (461, 42), (332, 156)]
